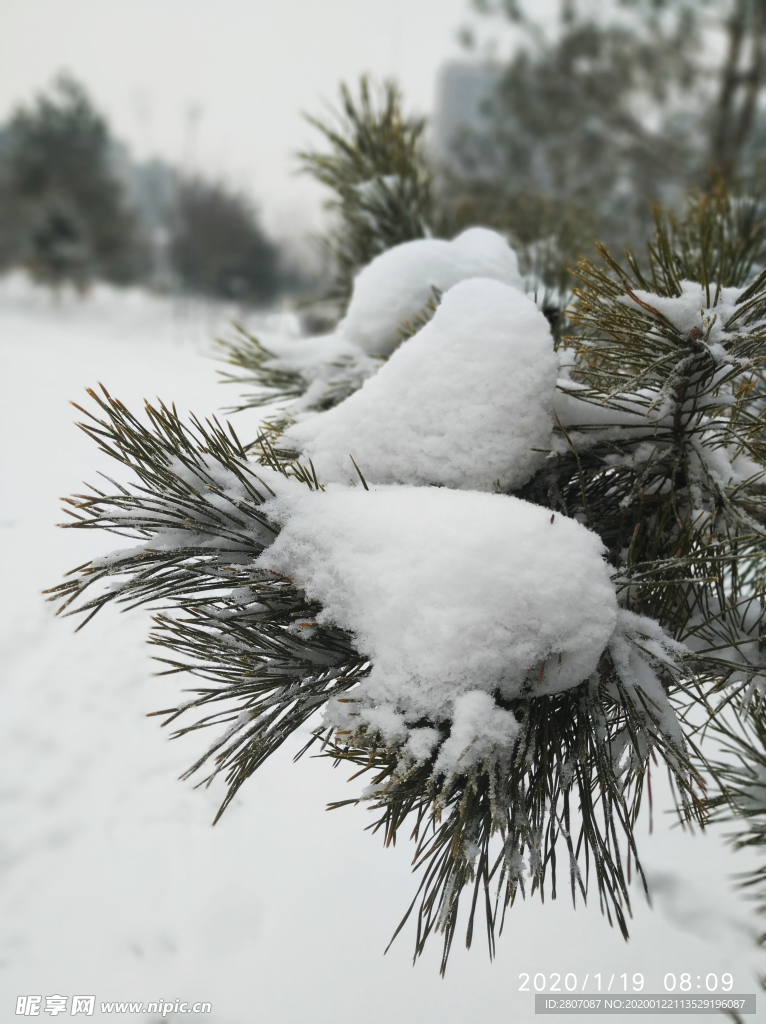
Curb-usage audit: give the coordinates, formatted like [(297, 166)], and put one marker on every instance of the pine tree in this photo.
[(375, 169), (375, 166), (217, 246), (651, 446), (70, 220)]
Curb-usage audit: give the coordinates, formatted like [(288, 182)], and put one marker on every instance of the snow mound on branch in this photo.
[(457, 597), (396, 287), (464, 403), (692, 309), (399, 283)]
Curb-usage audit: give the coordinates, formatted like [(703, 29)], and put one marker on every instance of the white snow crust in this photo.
[(399, 283), (478, 731), (451, 593), (464, 403)]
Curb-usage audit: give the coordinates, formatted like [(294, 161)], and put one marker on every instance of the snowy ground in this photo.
[(112, 881)]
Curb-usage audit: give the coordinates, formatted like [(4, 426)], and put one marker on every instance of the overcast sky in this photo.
[(220, 86)]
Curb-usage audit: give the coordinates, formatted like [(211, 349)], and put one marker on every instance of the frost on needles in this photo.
[(497, 578)]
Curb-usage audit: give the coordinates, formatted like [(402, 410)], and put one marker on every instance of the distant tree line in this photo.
[(598, 114), (68, 215)]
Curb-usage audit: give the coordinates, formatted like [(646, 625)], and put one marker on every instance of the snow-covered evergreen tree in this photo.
[(500, 575)]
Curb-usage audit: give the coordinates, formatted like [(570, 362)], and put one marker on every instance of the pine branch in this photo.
[(376, 169), (328, 372), (675, 404), (197, 512), (667, 461), (660, 448), (575, 779), (260, 369), (265, 663), (740, 775)]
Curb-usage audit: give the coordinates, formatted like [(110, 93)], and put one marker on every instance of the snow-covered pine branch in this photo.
[(504, 595), (391, 299), (379, 182)]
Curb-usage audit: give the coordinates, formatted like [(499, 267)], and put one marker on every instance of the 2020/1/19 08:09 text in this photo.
[(599, 982)]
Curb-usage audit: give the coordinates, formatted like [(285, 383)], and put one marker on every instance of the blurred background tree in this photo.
[(65, 214), (374, 163), (8, 231), (217, 246), (604, 110), (75, 207), (737, 129)]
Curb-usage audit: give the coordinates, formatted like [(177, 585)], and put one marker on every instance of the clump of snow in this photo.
[(394, 288), (479, 730), (399, 283), (575, 406), (466, 403), (457, 597), (722, 466), (692, 309), (639, 645)]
